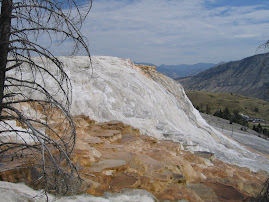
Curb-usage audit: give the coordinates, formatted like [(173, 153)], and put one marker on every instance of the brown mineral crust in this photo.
[(146, 67), (93, 140), (161, 167), (113, 156), (226, 192), (122, 181), (107, 164)]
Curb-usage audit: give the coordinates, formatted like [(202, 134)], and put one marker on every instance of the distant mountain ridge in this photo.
[(181, 70), (248, 77)]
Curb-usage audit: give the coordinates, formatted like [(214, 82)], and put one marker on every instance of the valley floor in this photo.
[(248, 138)]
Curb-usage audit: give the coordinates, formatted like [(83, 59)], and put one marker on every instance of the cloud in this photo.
[(166, 31), (245, 36)]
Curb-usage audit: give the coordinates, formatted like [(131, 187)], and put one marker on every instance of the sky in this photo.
[(177, 31)]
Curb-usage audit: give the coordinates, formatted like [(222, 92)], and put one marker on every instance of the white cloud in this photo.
[(245, 36), (166, 31)]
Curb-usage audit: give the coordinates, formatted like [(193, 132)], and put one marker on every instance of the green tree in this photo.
[(208, 110), (237, 118), (218, 113), (259, 128), (201, 107), (226, 113), (265, 131)]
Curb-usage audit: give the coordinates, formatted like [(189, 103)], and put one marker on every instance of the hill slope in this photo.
[(116, 89), (248, 77), (249, 106), (183, 70)]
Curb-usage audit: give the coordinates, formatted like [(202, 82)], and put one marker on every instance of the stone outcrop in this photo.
[(113, 156), (162, 167), (147, 67)]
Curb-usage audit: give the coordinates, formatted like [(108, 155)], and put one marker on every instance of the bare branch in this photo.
[(35, 121)]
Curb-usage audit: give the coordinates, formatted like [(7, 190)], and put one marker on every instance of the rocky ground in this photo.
[(113, 157)]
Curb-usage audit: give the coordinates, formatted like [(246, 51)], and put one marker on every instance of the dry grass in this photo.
[(249, 106)]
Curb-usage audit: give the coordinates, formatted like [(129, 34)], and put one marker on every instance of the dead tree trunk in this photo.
[(45, 138), (5, 24)]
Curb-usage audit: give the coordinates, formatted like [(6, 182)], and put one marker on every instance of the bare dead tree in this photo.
[(264, 193), (263, 47), (35, 92)]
